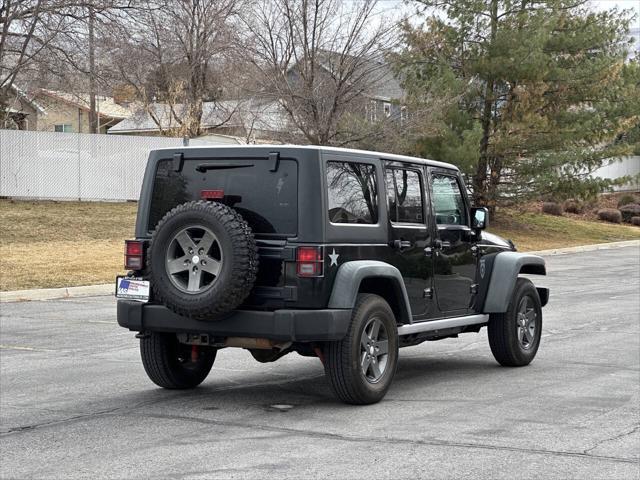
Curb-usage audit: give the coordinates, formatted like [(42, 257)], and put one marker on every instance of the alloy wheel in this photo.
[(194, 259), (526, 322), (374, 350)]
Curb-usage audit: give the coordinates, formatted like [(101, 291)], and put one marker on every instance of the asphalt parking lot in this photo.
[(76, 403)]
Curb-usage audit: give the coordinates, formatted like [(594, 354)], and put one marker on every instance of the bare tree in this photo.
[(317, 58), (173, 52), (53, 38), (27, 29)]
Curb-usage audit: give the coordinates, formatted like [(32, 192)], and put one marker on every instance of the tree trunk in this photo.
[(93, 114), (195, 96), (483, 190), (494, 182)]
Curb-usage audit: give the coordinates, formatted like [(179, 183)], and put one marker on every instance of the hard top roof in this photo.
[(386, 156)]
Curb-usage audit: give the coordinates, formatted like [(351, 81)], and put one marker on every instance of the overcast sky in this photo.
[(625, 4), (396, 9), (400, 6)]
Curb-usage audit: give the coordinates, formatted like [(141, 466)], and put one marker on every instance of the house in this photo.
[(382, 95), (246, 121), (22, 112), (67, 112), (258, 120)]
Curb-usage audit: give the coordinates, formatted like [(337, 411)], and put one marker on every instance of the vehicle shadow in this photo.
[(306, 386)]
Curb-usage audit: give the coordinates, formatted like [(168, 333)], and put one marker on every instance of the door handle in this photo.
[(439, 244), (401, 244)]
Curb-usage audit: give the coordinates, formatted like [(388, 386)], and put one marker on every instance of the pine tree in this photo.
[(543, 92)]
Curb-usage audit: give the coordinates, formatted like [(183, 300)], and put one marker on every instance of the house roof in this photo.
[(213, 114), (387, 87), (384, 84), (250, 115), (21, 94), (105, 106)]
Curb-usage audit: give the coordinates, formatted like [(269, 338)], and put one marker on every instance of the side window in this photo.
[(448, 201), (404, 192), (352, 193)]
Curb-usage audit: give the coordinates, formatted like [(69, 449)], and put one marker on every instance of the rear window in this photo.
[(352, 193), (267, 200)]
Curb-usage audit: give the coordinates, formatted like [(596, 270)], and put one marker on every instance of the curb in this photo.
[(57, 293), (109, 288), (588, 248)]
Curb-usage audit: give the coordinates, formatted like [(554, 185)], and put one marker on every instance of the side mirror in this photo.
[(479, 218)]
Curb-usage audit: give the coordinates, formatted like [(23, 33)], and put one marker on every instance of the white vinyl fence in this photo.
[(628, 166), (74, 166)]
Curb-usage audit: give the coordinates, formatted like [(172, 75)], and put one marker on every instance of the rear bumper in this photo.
[(287, 325)]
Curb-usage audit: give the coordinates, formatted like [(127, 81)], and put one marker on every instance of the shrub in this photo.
[(626, 199), (610, 215), (635, 221), (552, 208), (573, 206), (628, 211)]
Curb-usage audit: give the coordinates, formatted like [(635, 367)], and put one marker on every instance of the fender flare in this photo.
[(351, 274), (506, 268)]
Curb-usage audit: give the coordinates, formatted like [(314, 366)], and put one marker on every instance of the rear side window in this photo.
[(352, 193), (404, 191), (448, 201), (267, 200)]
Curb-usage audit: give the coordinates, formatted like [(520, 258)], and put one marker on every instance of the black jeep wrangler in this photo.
[(341, 254)]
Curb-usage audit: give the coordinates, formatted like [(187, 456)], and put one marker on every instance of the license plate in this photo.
[(132, 289)]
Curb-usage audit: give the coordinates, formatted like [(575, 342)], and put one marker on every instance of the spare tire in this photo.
[(202, 260)]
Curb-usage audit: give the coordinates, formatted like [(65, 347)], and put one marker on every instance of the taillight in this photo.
[(309, 261), (211, 194), (133, 254)]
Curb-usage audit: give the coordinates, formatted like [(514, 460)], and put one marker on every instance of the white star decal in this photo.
[(334, 258)]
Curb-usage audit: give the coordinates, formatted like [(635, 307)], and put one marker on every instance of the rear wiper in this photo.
[(203, 167)]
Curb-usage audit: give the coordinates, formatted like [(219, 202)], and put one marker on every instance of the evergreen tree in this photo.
[(543, 92)]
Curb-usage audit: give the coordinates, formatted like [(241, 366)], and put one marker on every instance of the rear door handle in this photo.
[(439, 244), (401, 244)]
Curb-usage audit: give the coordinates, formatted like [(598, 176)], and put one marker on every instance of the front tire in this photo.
[(361, 366), (174, 365), (514, 336)]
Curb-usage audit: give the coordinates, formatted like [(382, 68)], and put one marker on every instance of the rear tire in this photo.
[(514, 336), (361, 366), (170, 364)]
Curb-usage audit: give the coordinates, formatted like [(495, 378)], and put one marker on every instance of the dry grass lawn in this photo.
[(537, 231), (56, 244)]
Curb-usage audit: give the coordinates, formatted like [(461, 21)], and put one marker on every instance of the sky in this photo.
[(396, 9), (400, 6), (625, 4)]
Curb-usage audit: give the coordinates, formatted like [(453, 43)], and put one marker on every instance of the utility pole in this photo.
[(93, 116)]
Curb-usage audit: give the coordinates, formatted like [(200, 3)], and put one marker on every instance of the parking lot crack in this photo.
[(611, 439), (23, 428), (390, 440)]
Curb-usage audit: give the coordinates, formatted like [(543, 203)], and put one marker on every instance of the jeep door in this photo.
[(409, 232), (454, 244)]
